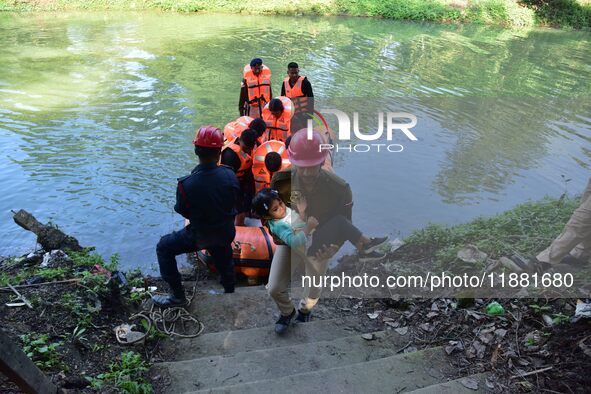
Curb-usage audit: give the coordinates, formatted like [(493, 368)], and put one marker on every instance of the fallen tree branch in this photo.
[(48, 236), (531, 373), (21, 297), (405, 346), (39, 284)]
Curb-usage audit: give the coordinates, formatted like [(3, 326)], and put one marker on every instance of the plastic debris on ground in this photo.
[(582, 310), (471, 254), (495, 309), (126, 335), (141, 289)]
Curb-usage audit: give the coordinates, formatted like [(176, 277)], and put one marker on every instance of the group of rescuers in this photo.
[(306, 207), (264, 164)]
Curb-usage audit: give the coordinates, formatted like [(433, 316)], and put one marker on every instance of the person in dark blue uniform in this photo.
[(207, 197)]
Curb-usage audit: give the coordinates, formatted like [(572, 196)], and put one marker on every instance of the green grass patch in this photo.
[(126, 375), (51, 274), (514, 13), (13, 279), (499, 12), (525, 229), (85, 258), (561, 13), (42, 351)]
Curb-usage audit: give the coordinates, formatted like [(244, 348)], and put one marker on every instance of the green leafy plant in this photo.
[(135, 278), (152, 332), (97, 347), (126, 375), (137, 296), (12, 279), (50, 274), (78, 333), (43, 353), (540, 309), (94, 282), (113, 263), (560, 318), (85, 258), (84, 309)]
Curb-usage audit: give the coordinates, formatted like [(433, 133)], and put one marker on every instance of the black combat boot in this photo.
[(175, 298), (283, 323), (303, 317)]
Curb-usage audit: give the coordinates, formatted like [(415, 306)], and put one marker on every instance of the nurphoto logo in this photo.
[(344, 131)]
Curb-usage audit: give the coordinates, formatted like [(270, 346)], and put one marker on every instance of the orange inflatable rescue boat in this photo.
[(253, 249), (253, 244)]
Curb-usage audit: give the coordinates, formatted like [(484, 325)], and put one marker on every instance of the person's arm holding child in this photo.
[(311, 222)]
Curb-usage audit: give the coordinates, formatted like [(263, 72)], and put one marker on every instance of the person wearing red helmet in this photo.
[(327, 198), (207, 197)]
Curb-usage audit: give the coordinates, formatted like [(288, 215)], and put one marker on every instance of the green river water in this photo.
[(97, 113)]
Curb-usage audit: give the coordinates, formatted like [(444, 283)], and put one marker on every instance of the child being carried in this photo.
[(295, 229)]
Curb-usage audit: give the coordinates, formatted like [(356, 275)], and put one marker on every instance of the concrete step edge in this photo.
[(275, 363), (230, 342), (288, 383), (455, 386), (287, 348)]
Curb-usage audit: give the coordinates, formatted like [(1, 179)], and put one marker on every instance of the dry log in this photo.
[(48, 236), (15, 364)]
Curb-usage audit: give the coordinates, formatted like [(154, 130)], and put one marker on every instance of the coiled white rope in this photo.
[(167, 321)]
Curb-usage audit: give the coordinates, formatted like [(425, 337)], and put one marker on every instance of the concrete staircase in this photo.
[(240, 353)]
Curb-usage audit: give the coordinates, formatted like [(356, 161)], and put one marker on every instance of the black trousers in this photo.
[(247, 192), (184, 241), (336, 231)]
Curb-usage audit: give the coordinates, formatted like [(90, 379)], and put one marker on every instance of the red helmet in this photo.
[(209, 137), (304, 152)]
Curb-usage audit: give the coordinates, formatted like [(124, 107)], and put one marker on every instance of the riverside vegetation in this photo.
[(69, 331), (77, 299), (511, 13)]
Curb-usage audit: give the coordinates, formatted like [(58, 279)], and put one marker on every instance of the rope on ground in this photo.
[(166, 320)]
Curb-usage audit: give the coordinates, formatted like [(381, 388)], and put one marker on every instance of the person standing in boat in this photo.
[(207, 198), (237, 156), (255, 90), (299, 89)]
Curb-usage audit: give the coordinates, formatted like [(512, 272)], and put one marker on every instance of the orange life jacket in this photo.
[(262, 176), (245, 159), (234, 129), (278, 128), (300, 101), (258, 85)]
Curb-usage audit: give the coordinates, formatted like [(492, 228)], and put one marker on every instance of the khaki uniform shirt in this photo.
[(330, 196)]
